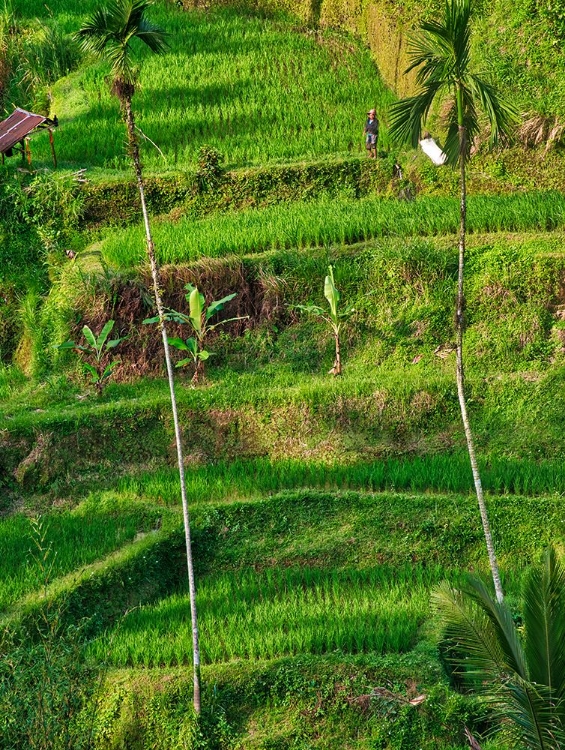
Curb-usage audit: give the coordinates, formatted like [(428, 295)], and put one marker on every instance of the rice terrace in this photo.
[(282, 375)]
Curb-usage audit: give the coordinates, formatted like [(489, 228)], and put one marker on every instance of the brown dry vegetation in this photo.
[(539, 130), (259, 299)]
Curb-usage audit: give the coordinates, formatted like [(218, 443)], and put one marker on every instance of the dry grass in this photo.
[(537, 130)]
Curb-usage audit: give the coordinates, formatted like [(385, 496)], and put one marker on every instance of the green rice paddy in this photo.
[(328, 221), (276, 612), (71, 540), (240, 479), (259, 88)]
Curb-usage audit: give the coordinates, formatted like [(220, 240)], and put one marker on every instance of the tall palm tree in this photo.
[(520, 671), (442, 54), (111, 33)]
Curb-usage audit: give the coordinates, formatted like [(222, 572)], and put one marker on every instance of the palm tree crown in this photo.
[(110, 31), (442, 54)]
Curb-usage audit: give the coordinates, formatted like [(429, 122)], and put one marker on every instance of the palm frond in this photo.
[(452, 145), (502, 115), (408, 115), (109, 32), (433, 56), (544, 614), (501, 619), (457, 16), (152, 36), (469, 632), (458, 143), (520, 710), (525, 709), (95, 33)]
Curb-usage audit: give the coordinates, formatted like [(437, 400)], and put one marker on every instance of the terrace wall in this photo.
[(117, 201)]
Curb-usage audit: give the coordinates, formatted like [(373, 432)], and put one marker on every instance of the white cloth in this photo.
[(431, 149)]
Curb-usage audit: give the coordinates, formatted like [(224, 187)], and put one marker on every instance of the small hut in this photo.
[(15, 131)]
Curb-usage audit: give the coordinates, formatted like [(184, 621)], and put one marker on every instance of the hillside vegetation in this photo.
[(324, 509)]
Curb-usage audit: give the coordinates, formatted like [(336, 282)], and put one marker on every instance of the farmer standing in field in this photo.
[(371, 132)]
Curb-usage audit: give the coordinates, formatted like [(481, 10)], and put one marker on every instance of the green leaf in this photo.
[(311, 309), (66, 345), (149, 321), (215, 307), (108, 369), (104, 333), (89, 336), (178, 344), (227, 320), (177, 317), (196, 305), (184, 362), (93, 372), (204, 355), (331, 293), (112, 344)]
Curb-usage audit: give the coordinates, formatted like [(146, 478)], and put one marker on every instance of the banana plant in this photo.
[(334, 318), (96, 350), (198, 319)]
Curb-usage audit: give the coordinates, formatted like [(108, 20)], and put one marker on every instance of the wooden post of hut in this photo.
[(52, 144)]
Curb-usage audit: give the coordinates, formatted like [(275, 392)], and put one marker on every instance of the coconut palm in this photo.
[(111, 33), (520, 671), (442, 54)]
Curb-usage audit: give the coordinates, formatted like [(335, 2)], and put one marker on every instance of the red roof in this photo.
[(16, 127)]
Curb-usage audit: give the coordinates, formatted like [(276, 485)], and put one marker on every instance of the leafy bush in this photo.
[(209, 170)]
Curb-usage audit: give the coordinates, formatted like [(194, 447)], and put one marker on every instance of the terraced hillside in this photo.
[(324, 510)]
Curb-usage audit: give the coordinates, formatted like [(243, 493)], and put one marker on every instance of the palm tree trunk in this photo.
[(134, 152), (460, 325)]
